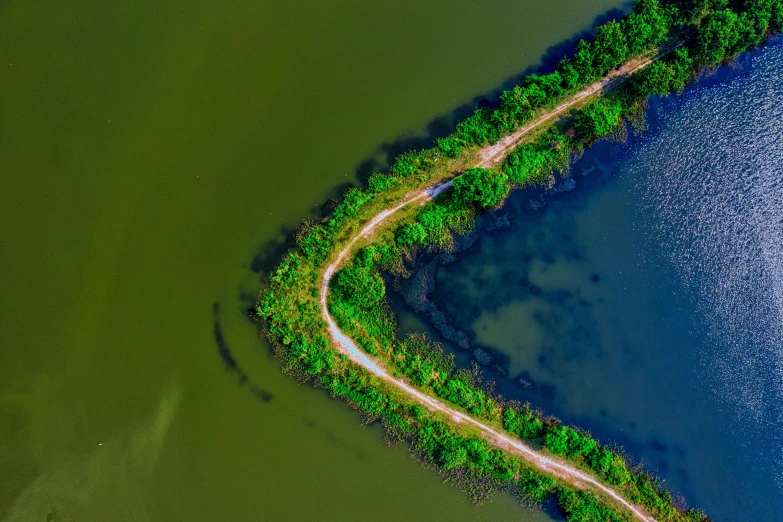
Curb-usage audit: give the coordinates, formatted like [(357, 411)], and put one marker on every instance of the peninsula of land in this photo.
[(326, 312)]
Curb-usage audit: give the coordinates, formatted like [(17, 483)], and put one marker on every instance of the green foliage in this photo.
[(411, 234), (315, 241), (412, 162), (719, 37), (657, 18), (755, 20), (648, 491), (439, 445), (610, 46), (451, 146), (580, 506), (461, 390), (443, 218), (535, 486), (776, 16), (646, 27), (310, 357), (610, 466), (436, 220), (657, 78), (550, 85), (597, 119), (522, 423), (532, 163), (569, 73), (405, 164), (516, 103), (696, 515), (376, 255), (381, 183), (353, 201), (562, 440), (422, 360), (481, 187), (362, 287), (387, 257), (683, 69), (693, 11), (357, 305), (478, 129), (583, 62)]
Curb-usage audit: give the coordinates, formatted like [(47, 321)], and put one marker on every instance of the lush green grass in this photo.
[(711, 32)]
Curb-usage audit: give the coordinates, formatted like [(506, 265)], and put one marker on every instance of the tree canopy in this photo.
[(361, 287), (598, 119), (481, 187)]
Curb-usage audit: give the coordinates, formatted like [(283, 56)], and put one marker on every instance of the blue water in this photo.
[(645, 301)]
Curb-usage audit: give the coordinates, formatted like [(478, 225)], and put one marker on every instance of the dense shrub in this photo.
[(597, 119), (610, 466), (451, 146), (580, 506), (381, 182), (478, 129), (535, 486), (522, 423), (532, 163), (411, 234), (411, 162), (719, 36), (422, 360), (461, 392), (569, 442), (481, 187), (657, 78), (361, 287), (440, 221)]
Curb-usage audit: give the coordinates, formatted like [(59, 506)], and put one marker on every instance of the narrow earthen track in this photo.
[(487, 157)]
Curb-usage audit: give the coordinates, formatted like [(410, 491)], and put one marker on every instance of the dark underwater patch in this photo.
[(230, 361)]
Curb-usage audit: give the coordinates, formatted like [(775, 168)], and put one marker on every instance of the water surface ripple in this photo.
[(645, 302), (718, 199)]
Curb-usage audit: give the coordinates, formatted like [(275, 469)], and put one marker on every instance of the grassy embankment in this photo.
[(712, 32)]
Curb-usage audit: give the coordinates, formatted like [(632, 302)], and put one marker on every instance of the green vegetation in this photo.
[(481, 187), (359, 286), (532, 163), (598, 119), (698, 34), (423, 361)]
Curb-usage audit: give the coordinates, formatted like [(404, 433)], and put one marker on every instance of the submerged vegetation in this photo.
[(687, 36)]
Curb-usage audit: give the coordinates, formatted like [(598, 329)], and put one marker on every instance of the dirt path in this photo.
[(487, 157), (494, 154)]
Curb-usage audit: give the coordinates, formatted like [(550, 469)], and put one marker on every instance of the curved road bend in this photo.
[(487, 158)]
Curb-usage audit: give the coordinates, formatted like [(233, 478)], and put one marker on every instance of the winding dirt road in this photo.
[(494, 154), (487, 157)]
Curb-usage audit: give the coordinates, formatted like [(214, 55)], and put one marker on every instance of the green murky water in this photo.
[(147, 151)]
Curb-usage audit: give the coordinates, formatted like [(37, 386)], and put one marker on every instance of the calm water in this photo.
[(646, 302), (148, 150)]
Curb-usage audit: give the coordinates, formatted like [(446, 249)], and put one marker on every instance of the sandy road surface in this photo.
[(494, 154)]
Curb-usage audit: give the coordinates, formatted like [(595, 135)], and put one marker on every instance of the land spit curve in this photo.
[(487, 157)]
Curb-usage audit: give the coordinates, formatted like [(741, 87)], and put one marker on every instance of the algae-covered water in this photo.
[(148, 152), (642, 298)]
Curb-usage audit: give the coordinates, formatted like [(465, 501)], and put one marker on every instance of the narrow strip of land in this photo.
[(494, 154), (487, 157)]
